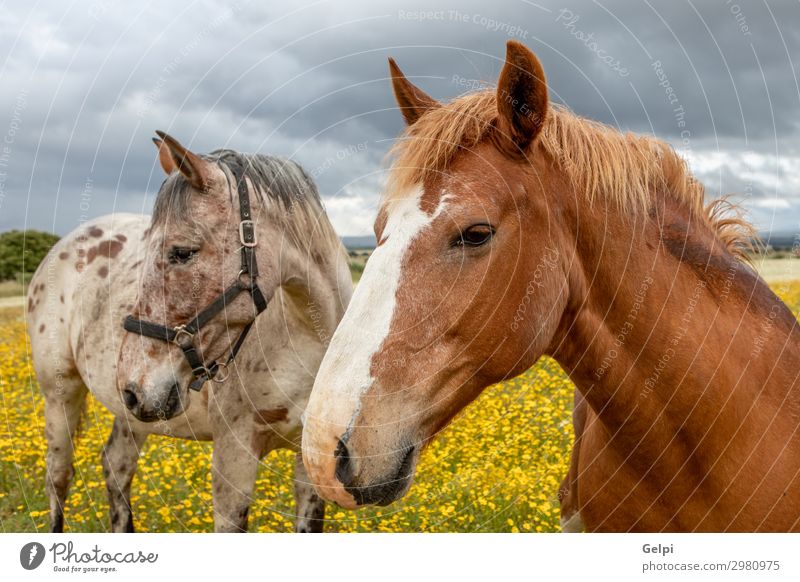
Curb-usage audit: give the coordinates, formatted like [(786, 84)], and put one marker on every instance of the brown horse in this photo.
[(512, 228)]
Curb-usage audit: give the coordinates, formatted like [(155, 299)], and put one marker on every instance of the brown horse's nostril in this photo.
[(381, 491), (129, 397), (344, 467)]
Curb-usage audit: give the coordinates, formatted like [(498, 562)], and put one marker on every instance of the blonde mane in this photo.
[(598, 159)]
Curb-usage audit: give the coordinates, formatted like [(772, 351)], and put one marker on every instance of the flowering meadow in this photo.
[(497, 468)]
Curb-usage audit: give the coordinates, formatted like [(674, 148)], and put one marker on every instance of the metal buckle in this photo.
[(242, 240), (181, 330), (220, 377)]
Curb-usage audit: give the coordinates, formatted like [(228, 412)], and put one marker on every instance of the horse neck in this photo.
[(315, 276), (664, 325)]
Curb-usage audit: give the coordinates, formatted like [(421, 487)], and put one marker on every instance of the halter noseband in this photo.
[(183, 335)]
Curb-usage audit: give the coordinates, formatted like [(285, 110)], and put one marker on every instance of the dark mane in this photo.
[(289, 194), (276, 179)]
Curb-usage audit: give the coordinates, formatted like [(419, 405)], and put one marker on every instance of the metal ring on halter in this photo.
[(241, 281), (182, 331), (223, 373)]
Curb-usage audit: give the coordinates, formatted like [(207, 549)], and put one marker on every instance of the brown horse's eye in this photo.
[(181, 255), (474, 236)]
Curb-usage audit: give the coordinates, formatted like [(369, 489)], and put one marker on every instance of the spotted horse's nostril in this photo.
[(344, 466), (173, 401), (129, 397)]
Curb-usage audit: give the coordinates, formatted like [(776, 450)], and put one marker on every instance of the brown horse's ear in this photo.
[(174, 156), (413, 101), (163, 157), (521, 99)]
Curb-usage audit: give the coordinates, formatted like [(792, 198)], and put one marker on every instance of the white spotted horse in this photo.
[(238, 278)]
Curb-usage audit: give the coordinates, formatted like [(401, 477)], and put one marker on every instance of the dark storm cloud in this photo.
[(85, 86)]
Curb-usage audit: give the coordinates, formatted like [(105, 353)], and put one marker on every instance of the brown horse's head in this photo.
[(466, 286), (193, 253)]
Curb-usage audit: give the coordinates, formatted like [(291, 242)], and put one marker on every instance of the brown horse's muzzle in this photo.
[(397, 474), (354, 476)]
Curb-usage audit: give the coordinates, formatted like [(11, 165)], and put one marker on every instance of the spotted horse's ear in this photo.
[(164, 158), (174, 157), (413, 101), (522, 100)]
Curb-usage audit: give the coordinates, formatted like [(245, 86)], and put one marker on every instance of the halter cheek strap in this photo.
[(246, 281)]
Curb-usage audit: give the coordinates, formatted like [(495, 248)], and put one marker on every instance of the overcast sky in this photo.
[(85, 85)]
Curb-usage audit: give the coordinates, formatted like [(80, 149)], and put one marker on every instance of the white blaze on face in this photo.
[(344, 375)]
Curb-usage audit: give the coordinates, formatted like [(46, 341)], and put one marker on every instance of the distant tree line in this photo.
[(21, 251)]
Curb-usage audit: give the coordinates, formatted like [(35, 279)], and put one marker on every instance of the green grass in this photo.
[(12, 289), (358, 260), (774, 268)]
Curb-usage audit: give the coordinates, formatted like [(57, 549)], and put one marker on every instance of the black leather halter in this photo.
[(184, 335)]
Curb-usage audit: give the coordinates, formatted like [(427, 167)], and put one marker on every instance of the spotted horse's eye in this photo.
[(181, 255), (474, 236)]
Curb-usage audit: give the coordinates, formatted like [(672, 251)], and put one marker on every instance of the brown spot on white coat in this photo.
[(107, 248), (271, 416)]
